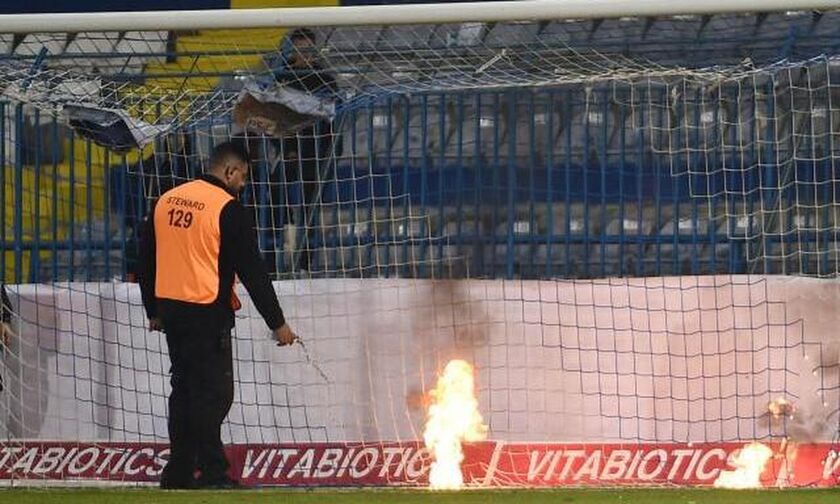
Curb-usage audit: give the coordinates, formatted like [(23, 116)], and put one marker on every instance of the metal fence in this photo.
[(563, 183)]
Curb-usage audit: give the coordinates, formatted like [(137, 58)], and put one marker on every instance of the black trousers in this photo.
[(202, 393)]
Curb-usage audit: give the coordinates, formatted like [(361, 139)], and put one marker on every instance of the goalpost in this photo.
[(365, 135)]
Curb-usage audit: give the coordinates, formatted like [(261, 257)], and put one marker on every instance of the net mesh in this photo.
[(750, 123), (367, 196)]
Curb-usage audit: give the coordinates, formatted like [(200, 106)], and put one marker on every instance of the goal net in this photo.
[(625, 221)]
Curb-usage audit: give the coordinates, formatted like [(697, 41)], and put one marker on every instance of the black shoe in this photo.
[(219, 483), (170, 483)]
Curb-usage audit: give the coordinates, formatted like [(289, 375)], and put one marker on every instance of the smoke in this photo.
[(814, 415)]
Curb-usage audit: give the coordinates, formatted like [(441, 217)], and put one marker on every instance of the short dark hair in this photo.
[(303, 33), (234, 149)]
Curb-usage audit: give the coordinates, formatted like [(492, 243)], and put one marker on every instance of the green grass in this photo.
[(368, 496)]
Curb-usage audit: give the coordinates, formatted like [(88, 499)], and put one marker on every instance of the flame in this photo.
[(452, 418), (749, 463)]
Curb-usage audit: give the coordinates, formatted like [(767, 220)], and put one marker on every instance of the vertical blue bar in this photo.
[(767, 180), (478, 188), (622, 200), (734, 131), (56, 152), (567, 203), (698, 183), (511, 183), (803, 236), (459, 174), (354, 196), (827, 175), (71, 227), (35, 254), (792, 232), (274, 215), (532, 196), (441, 169), (738, 248), (675, 196), (641, 168), (549, 184), (657, 173), (587, 263), (334, 179), (603, 168), (18, 207), (390, 242), (496, 190), (312, 230), (408, 244), (3, 200), (88, 210), (332, 260), (106, 212), (424, 179), (371, 208), (696, 162), (123, 214), (259, 188), (192, 170), (732, 155), (828, 224)]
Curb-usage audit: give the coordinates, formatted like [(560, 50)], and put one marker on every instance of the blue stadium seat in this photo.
[(623, 258), (690, 233)]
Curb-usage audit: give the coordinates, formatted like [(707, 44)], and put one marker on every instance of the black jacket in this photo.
[(5, 306), (5, 314), (238, 254)]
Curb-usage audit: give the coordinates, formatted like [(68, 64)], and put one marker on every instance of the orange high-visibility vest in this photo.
[(188, 242)]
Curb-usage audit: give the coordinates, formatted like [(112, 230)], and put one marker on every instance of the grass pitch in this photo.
[(370, 496)]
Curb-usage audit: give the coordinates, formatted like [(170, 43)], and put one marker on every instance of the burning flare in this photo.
[(781, 407), (452, 418), (749, 463)]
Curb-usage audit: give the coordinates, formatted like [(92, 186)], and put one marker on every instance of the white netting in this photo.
[(753, 132), (351, 133)]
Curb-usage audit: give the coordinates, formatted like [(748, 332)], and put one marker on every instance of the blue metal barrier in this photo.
[(517, 183)]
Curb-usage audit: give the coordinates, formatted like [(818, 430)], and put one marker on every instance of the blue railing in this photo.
[(535, 184)]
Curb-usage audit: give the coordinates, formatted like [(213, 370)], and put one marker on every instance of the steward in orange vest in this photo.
[(197, 238)]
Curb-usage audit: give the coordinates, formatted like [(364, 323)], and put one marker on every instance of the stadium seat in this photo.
[(623, 259), (690, 233)]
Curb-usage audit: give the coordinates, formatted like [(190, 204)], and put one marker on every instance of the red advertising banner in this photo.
[(493, 464)]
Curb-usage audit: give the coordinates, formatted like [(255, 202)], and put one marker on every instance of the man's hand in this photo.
[(155, 324), (6, 334), (284, 335)]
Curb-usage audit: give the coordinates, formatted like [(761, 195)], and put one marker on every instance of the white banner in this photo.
[(689, 359)]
